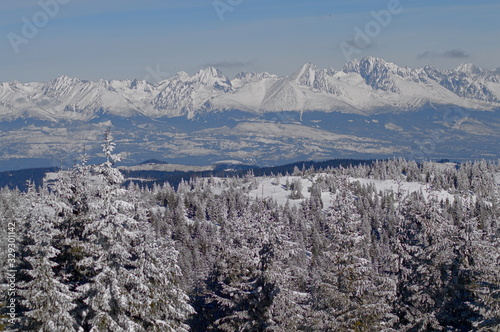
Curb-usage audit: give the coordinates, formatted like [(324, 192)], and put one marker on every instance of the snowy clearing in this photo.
[(270, 188)]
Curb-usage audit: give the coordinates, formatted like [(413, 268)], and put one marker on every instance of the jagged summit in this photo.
[(305, 75), (210, 76), (468, 68), (362, 86)]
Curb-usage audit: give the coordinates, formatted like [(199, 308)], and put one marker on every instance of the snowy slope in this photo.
[(270, 188), (362, 86)]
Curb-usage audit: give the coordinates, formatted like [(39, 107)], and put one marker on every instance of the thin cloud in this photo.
[(450, 54), (456, 54), (426, 55)]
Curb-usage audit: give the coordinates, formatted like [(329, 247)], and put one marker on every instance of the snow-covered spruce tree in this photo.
[(348, 293), (239, 292), (239, 296), (477, 284), (102, 248), (10, 205), (296, 189), (289, 271), (46, 295), (131, 278), (416, 304), (432, 290)]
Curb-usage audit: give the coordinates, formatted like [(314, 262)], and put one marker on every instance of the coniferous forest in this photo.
[(82, 252)]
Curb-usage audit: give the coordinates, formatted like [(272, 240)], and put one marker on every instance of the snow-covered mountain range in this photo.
[(369, 109), (366, 86)]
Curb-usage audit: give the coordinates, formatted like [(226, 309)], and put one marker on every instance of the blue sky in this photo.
[(154, 39)]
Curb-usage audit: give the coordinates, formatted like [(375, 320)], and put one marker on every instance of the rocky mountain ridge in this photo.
[(367, 86)]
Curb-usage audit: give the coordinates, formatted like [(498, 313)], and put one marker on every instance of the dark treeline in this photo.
[(205, 256), (19, 178), (151, 178)]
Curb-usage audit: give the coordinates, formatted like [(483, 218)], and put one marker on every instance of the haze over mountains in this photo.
[(370, 108)]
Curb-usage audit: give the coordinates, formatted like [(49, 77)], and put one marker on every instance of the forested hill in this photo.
[(150, 176), (385, 246), (18, 178)]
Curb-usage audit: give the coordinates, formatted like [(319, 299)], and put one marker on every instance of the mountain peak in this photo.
[(139, 85), (306, 75), (308, 66), (468, 68), (376, 72), (210, 72), (372, 59), (211, 76), (60, 85), (65, 79), (181, 76), (244, 75)]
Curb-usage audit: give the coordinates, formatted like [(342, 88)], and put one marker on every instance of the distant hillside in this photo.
[(146, 174), (18, 179)]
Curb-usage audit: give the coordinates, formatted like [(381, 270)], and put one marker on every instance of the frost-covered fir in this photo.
[(92, 260)]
